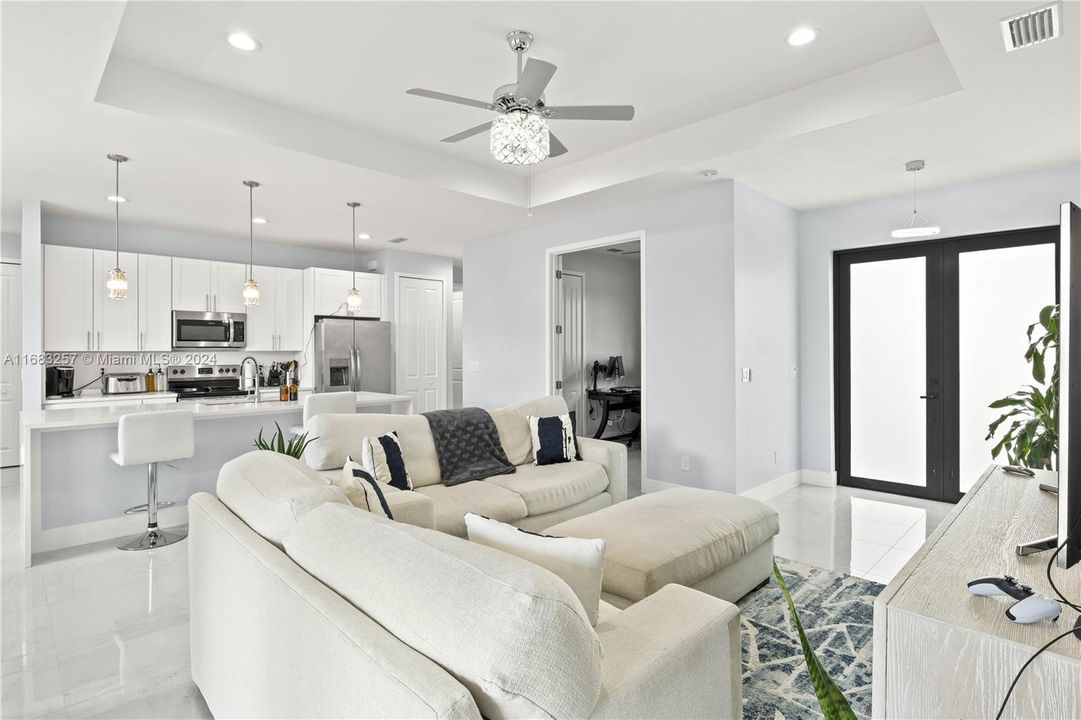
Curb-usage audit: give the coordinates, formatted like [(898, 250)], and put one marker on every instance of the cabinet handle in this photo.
[(88, 345), (142, 340), (208, 302), (99, 339)]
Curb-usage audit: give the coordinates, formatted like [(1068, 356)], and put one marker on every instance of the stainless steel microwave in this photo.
[(208, 329)]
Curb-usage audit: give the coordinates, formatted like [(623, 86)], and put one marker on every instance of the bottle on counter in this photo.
[(150, 379), (294, 388), (159, 380), (283, 391)]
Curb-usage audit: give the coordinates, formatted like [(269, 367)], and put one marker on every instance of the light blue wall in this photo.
[(75, 232), (10, 245), (689, 384), (767, 338), (1005, 203)]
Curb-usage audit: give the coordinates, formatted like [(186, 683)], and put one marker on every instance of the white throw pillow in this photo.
[(363, 490), (383, 458), (553, 439), (576, 561)]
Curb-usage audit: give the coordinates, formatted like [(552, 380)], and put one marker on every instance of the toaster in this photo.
[(119, 383)]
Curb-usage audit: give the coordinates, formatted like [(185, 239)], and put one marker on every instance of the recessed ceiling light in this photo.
[(802, 36), (258, 221), (364, 236), (243, 41), (116, 198)]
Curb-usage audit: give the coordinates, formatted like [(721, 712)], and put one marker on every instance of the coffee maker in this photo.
[(59, 381)]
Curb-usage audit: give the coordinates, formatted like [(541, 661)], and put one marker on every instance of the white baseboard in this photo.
[(776, 486), (818, 478), (650, 486)]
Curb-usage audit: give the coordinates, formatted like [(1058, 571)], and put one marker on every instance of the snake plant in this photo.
[(277, 443)]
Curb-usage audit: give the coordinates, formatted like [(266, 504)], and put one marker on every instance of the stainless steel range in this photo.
[(196, 382)]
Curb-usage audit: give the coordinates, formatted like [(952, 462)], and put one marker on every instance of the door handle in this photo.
[(932, 396)]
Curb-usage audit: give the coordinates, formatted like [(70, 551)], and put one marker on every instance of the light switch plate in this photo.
[(746, 375)]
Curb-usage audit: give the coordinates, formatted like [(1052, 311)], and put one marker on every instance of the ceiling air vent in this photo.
[(1032, 27)]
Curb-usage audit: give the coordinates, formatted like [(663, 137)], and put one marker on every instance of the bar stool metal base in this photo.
[(153, 538)]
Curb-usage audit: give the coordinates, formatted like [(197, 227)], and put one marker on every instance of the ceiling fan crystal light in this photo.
[(117, 282), (802, 36), (519, 138), (243, 41), (918, 226), (250, 293)]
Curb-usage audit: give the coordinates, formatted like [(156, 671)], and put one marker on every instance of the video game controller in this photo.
[(1030, 606)]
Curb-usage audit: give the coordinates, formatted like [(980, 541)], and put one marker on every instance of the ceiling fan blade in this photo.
[(468, 133), (450, 98), (589, 112), (535, 77), (555, 148)]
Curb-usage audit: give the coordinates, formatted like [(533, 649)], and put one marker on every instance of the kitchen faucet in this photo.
[(256, 374)]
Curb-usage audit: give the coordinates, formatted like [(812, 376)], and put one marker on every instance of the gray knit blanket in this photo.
[(467, 444)]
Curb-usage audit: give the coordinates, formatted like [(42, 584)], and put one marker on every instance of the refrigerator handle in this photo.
[(354, 370), (358, 368), (321, 344)]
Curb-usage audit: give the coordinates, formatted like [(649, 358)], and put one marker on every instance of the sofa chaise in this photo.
[(532, 498), (303, 605)]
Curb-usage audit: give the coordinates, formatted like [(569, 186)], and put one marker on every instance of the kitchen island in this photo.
[(73, 494)]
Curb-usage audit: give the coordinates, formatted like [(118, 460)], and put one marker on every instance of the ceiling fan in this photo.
[(519, 133)]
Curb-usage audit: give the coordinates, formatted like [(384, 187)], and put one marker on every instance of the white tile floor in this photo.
[(857, 532), (96, 632)]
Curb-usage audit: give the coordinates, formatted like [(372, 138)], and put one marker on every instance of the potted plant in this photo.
[(277, 443), (1031, 438)]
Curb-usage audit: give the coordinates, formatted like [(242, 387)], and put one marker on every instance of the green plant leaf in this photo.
[(830, 698)]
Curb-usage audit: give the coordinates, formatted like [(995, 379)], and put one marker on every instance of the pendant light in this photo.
[(117, 284), (917, 226), (251, 288), (352, 298)]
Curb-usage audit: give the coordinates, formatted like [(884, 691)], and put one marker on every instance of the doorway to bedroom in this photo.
[(595, 342)]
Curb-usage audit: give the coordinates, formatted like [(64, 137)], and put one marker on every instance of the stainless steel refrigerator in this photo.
[(352, 354)]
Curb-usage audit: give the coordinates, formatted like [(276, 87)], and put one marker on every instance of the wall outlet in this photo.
[(776, 457), (793, 371), (745, 376), (685, 463)]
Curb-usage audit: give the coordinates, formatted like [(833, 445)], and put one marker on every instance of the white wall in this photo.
[(688, 251), (33, 375), (766, 339), (1006, 203), (613, 314)]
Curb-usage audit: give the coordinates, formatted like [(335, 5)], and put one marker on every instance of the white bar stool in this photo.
[(339, 403), (150, 438)]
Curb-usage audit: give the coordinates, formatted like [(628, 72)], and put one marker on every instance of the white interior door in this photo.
[(10, 344), (572, 345), (457, 369), (421, 343)]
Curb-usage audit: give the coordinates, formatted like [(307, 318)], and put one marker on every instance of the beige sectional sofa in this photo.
[(303, 605), (532, 498)]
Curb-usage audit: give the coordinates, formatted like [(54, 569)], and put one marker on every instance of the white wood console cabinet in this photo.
[(940, 652)]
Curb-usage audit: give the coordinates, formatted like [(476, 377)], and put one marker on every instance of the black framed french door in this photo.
[(926, 336)]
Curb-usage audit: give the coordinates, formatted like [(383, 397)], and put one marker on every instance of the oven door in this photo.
[(206, 330)]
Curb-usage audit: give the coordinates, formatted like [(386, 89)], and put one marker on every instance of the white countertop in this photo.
[(97, 397), (74, 418)]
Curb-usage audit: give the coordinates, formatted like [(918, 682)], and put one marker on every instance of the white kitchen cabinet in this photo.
[(275, 323), (69, 298), (329, 288), (290, 291), (191, 284), (155, 303), (116, 322), (227, 287), (207, 286), (261, 332)]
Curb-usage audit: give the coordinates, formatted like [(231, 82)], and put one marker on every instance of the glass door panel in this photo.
[(888, 370), (1000, 293)]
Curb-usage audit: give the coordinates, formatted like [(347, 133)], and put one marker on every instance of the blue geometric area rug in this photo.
[(836, 611)]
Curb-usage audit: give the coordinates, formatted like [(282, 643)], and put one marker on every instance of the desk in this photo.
[(941, 652), (610, 401)]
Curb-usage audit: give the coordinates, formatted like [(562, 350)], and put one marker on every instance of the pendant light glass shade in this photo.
[(117, 281), (519, 138), (251, 287), (117, 284), (352, 298), (917, 226)]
